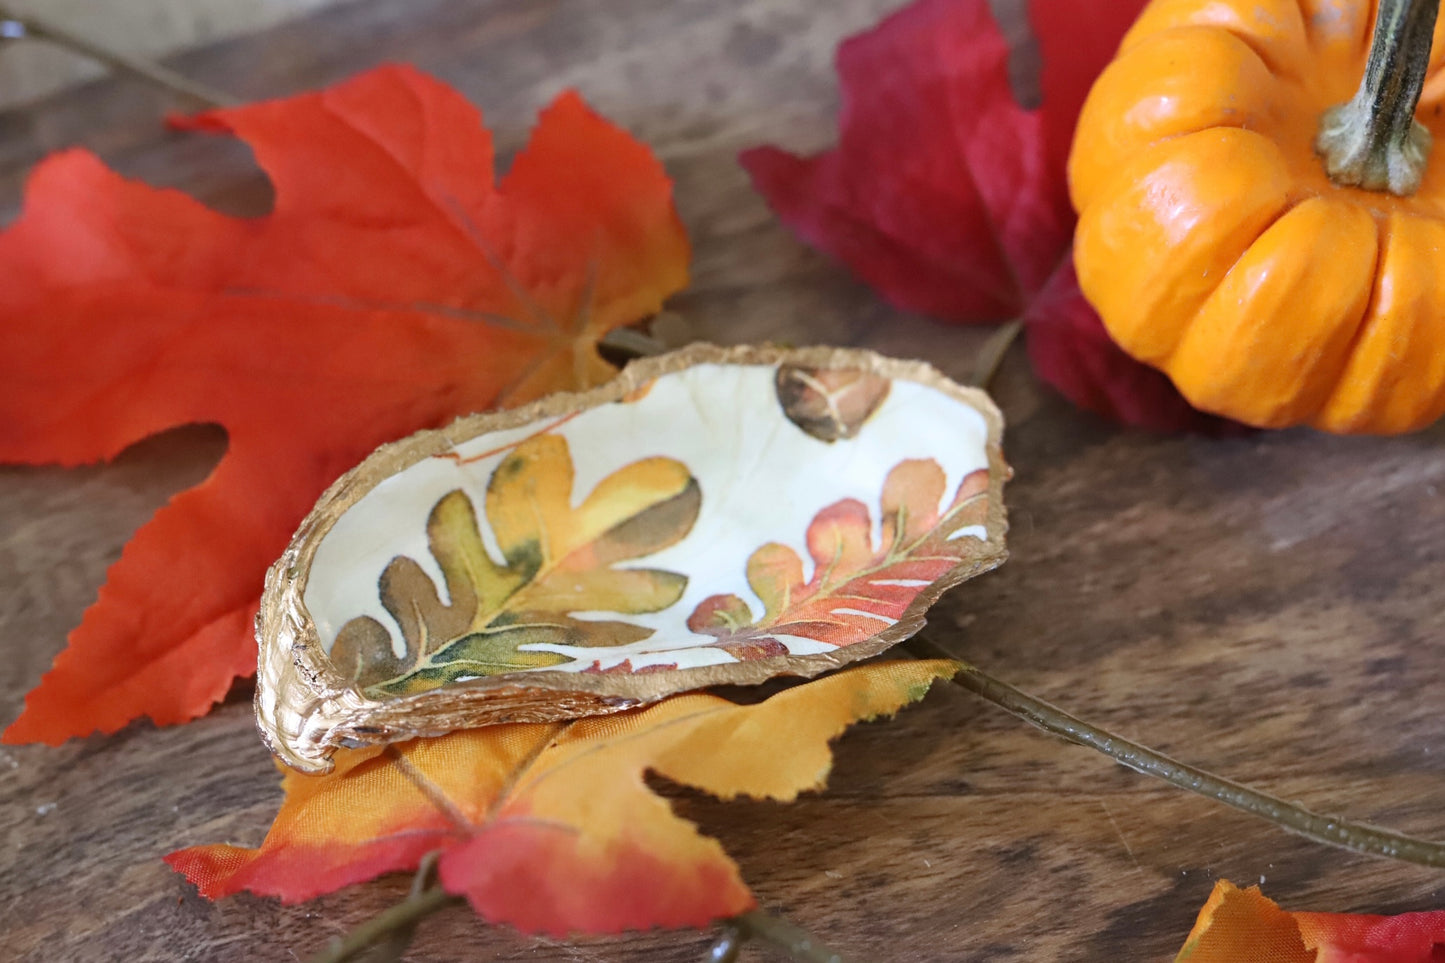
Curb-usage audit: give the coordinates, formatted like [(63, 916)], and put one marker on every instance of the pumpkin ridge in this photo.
[(1362, 324), (1245, 318), (1289, 205), (1368, 319)]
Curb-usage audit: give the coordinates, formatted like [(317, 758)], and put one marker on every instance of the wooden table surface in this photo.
[(1267, 607)]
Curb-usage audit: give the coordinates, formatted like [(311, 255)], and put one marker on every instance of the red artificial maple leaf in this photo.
[(951, 199), (393, 287)]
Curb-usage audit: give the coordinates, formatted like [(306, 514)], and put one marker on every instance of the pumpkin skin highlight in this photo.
[(1216, 248)]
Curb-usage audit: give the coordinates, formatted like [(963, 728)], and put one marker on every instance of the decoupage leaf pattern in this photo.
[(448, 581), (556, 560), (856, 589)]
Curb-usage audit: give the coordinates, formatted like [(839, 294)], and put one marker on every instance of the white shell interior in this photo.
[(762, 480)]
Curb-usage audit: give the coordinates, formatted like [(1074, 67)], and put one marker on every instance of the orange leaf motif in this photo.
[(550, 827), (1241, 926), (856, 589), (393, 287)]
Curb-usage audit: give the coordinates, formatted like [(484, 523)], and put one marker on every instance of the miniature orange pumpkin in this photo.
[(1220, 236)]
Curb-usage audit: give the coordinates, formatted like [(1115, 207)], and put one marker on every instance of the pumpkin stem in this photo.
[(1374, 141)]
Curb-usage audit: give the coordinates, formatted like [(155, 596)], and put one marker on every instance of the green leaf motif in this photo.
[(556, 560)]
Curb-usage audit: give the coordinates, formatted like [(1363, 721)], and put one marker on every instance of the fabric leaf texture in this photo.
[(1244, 926), (550, 827)]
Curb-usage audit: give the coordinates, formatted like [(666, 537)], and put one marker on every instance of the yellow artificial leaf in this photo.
[(551, 827)]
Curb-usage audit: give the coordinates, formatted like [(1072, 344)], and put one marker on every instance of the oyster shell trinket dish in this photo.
[(711, 516)]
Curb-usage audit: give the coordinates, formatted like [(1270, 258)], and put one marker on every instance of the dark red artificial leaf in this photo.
[(950, 198)]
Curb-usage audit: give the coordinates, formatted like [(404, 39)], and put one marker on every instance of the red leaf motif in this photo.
[(857, 589)]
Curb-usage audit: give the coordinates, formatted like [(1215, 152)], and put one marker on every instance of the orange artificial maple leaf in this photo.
[(1243, 925), (393, 287), (550, 827)]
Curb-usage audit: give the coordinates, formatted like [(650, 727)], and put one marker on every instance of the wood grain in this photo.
[(142, 28), (1268, 607)]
